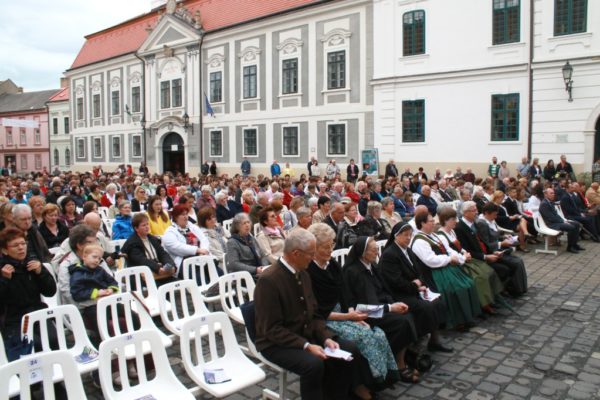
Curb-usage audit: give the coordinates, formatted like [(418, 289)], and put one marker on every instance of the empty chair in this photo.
[(59, 315), (241, 371), (120, 304), (142, 281), (235, 289), (340, 256), (203, 271), (164, 384), (46, 368), (181, 309)]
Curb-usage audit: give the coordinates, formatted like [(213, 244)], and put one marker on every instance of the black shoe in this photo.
[(578, 247), (572, 250), (439, 347)]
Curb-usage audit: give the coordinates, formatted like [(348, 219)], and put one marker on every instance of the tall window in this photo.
[(67, 157), (289, 76), (216, 143), (96, 105), (250, 81), (38, 161), (176, 93), (66, 125), (97, 147), (413, 121), (23, 137), (250, 142), (116, 146), (336, 69), (413, 30), (506, 21), (55, 126), (37, 137), (81, 148), (79, 108), (216, 87), (570, 16), (9, 137), (505, 117), (23, 161), (290, 141), (56, 157), (116, 102), (336, 139), (136, 146), (165, 94), (136, 102)]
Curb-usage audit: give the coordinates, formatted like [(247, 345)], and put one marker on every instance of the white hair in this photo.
[(467, 204), (298, 239), (220, 196)]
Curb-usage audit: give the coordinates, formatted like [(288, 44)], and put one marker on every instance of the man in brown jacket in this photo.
[(290, 333)]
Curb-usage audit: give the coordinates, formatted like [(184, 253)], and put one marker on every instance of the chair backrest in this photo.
[(216, 323), (103, 211), (201, 269), (236, 289), (380, 246), (41, 368), (108, 223), (227, 224), (63, 316), (54, 250), (137, 278), (110, 308), (256, 229), (3, 358), (117, 242), (340, 256), (176, 294), (115, 346), (248, 314)]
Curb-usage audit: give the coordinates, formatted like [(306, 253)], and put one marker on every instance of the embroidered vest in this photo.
[(437, 247)]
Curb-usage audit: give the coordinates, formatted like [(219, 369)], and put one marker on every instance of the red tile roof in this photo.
[(128, 36), (62, 95)]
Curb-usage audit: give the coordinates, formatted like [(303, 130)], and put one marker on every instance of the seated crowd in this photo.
[(408, 239)]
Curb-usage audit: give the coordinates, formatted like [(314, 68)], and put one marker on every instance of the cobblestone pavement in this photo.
[(549, 351)]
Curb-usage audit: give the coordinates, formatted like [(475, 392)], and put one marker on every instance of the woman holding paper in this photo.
[(363, 285), (327, 284), (458, 289)]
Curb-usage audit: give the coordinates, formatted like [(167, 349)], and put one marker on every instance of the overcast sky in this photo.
[(40, 39)]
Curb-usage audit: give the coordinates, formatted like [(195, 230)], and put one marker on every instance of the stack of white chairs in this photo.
[(141, 279), (202, 269), (45, 368), (163, 385)]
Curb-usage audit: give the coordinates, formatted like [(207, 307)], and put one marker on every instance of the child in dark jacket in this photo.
[(89, 283)]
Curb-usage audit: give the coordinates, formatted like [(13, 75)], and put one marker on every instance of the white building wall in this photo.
[(60, 140)]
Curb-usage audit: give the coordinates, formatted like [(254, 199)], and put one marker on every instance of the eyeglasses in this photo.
[(15, 245)]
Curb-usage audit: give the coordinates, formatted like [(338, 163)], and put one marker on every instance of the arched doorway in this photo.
[(173, 153), (597, 141)]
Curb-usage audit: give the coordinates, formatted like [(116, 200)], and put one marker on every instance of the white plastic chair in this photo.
[(13, 384), (227, 224), (103, 211), (235, 289), (142, 279), (54, 250), (176, 294), (164, 384), (256, 228), (202, 269), (241, 370), (46, 368), (543, 229), (58, 315), (107, 309), (340, 256), (380, 246), (108, 223), (53, 301), (118, 242)]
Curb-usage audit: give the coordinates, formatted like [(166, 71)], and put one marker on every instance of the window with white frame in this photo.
[(171, 93), (250, 81), (97, 147), (23, 161), (55, 126), (176, 93), (336, 69), (66, 121), (79, 108), (38, 161), (56, 157), (289, 76), (67, 157), (116, 146), (115, 102), (336, 139), (136, 102), (165, 94), (216, 87), (23, 137), (9, 137), (37, 137), (290, 141), (96, 106), (136, 145), (81, 148), (216, 143), (250, 142)]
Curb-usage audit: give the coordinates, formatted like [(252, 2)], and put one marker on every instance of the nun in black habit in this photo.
[(403, 274), (364, 285)]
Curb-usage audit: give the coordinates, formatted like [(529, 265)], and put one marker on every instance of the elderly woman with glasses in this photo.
[(243, 252), (183, 239)]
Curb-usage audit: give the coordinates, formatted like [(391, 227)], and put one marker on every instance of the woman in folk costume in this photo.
[(486, 280), (457, 288), (363, 284), (400, 270)]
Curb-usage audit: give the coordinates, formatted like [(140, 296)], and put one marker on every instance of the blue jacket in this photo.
[(275, 169), (246, 167), (85, 282), (122, 228)]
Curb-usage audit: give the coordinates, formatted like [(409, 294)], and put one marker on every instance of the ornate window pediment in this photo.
[(336, 37), (135, 77), (96, 86), (115, 82), (250, 53), (290, 46), (215, 61)]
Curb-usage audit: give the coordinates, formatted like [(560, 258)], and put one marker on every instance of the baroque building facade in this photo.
[(59, 128), (287, 81)]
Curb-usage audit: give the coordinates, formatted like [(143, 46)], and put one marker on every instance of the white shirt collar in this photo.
[(469, 224), (288, 266)]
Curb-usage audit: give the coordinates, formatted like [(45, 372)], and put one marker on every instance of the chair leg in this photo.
[(546, 249), (268, 394)]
